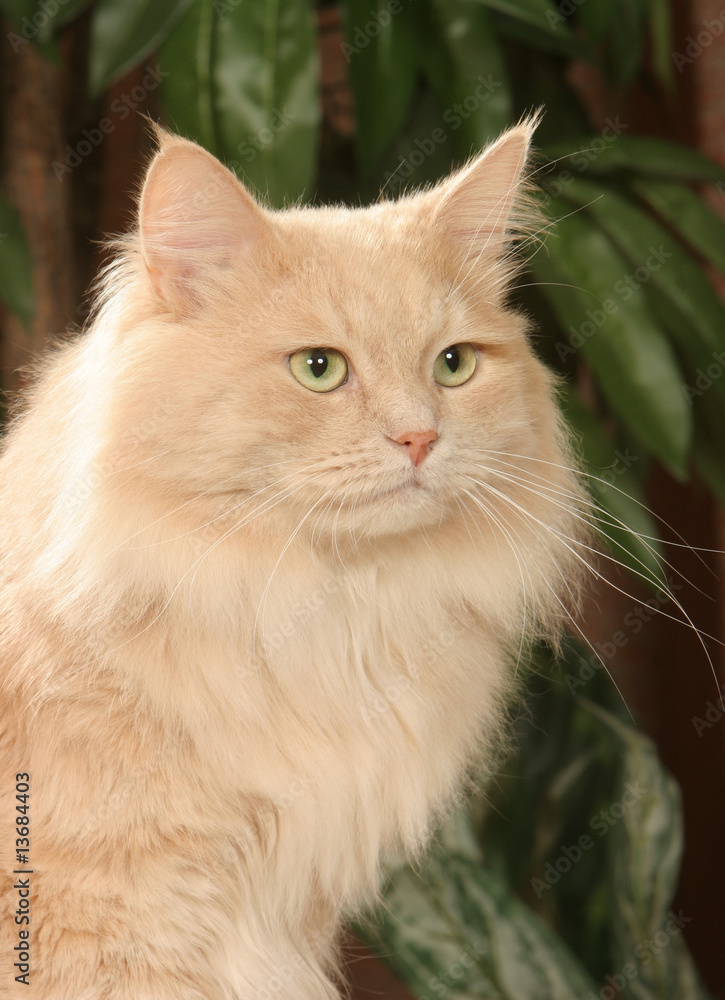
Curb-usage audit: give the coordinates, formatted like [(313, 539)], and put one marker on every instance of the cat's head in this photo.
[(335, 369)]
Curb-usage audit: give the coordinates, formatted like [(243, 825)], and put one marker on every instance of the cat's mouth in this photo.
[(408, 489)]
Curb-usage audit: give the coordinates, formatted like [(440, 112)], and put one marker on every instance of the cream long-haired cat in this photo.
[(274, 530)]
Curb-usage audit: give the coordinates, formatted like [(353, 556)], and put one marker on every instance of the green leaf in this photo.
[(124, 32), (186, 60), (16, 265), (625, 521), (695, 221), (540, 43), (537, 24), (604, 827), (625, 44), (597, 18), (242, 81), (646, 848), (665, 272), (455, 927), (16, 10), (561, 773), (265, 74), (584, 278), (471, 82), (39, 24), (635, 154), (69, 12), (381, 52), (540, 14), (403, 166), (709, 411), (566, 772), (660, 18)]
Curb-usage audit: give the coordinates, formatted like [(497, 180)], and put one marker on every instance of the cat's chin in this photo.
[(393, 510), (410, 491)]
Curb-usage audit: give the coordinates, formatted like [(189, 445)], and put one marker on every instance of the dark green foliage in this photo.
[(16, 271)]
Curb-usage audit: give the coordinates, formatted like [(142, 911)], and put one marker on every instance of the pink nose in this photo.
[(418, 444)]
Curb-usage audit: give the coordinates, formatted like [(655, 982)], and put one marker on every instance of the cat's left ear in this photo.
[(476, 210), (194, 216)]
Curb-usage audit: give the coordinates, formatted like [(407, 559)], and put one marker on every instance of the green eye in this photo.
[(455, 365), (321, 369)]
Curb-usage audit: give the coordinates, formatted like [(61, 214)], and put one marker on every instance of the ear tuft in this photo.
[(480, 206), (193, 214)]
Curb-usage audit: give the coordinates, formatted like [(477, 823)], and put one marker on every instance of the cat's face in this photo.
[(332, 369)]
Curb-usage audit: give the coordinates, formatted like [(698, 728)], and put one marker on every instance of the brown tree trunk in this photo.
[(33, 140)]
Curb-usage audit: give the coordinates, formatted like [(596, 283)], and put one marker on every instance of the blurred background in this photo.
[(595, 865)]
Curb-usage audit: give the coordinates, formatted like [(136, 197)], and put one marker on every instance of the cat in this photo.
[(275, 529)]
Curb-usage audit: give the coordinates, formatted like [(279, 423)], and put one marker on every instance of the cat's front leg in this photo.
[(163, 925)]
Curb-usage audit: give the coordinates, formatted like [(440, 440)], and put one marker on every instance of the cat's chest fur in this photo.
[(331, 668), (339, 704)]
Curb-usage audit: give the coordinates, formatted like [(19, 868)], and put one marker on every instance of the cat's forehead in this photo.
[(372, 269)]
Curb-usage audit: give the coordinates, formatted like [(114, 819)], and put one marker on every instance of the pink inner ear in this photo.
[(193, 213)]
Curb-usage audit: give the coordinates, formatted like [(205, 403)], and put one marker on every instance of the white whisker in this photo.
[(516, 553), (565, 540), (572, 620), (198, 496), (599, 479), (265, 592), (593, 520)]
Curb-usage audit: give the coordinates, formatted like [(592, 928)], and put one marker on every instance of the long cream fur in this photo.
[(246, 649)]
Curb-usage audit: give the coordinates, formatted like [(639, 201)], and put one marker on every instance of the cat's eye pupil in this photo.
[(318, 364), (453, 359)]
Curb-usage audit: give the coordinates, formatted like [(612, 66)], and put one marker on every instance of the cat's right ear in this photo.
[(194, 215), (475, 212)]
